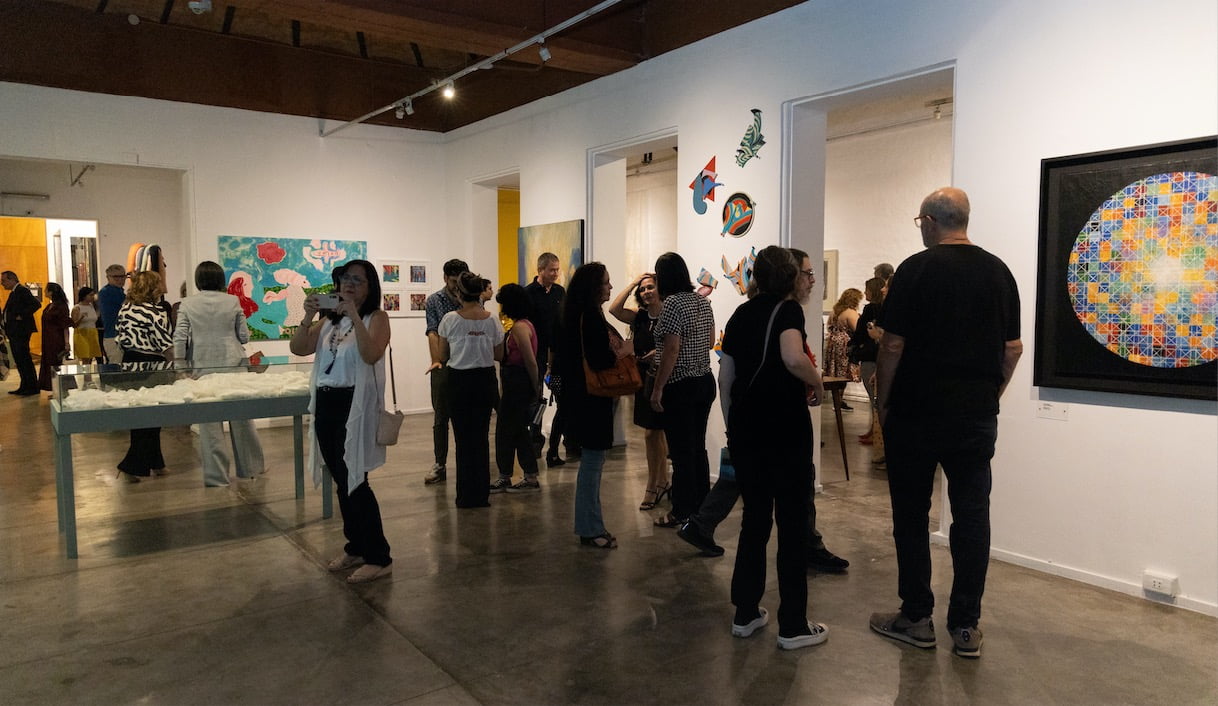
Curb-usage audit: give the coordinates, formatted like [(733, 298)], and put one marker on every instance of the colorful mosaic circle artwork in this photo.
[(1143, 273)]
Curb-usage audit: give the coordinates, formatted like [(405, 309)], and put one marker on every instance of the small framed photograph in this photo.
[(415, 304), (391, 302), (417, 273), (393, 274)]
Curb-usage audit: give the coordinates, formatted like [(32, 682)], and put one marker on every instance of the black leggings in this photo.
[(512, 425)]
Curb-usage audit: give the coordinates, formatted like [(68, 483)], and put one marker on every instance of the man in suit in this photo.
[(19, 325)]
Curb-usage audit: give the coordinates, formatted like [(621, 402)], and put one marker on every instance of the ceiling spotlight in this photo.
[(408, 106), (543, 51), (199, 6), (399, 113), (449, 91)]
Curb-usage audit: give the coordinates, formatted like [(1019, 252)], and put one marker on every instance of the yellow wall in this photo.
[(23, 249), (509, 223)]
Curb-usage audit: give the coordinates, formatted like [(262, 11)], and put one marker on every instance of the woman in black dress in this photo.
[(642, 321)]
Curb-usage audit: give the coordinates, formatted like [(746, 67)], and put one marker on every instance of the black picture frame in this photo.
[(1072, 188)]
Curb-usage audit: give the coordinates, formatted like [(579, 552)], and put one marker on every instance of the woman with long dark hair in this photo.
[(684, 387), (642, 321), (145, 337), (765, 378), (471, 340), (521, 392), (55, 324), (348, 395), (210, 332), (586, 337)]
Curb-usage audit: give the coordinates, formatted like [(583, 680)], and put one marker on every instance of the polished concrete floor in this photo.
[(186, 595)]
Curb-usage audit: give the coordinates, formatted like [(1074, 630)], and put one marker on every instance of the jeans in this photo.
[(472, 394), (775, 483), (439, 424), (687, 406), (964, 447), (512, 423), (588, 519), (361, 514)]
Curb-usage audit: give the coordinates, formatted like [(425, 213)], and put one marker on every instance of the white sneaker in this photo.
[(820, 633), (752, 626)]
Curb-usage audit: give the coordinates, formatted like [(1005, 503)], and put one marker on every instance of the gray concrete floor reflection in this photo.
[(184, 594)]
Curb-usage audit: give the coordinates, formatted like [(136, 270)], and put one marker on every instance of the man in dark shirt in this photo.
[(109, 300), (950, 346), (436, 306), (546, 297), (19, 326)]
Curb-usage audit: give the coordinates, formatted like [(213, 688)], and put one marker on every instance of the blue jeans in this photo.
[(588, 519), (964, 447)]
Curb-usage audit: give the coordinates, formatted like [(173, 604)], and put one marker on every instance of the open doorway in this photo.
[(858, 163)]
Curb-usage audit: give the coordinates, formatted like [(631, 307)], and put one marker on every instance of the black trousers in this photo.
[(472, 395), (361, 514), (19, 348), (774, 483), (512, 422), (915, 445), (687, 406), (439, 424), (144, 452)]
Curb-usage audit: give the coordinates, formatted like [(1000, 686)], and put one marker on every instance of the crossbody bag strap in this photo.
[(766, 349)]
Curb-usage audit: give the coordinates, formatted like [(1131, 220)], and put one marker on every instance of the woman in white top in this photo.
[(348, 397), (210, 332), (85, 340), (471, 340)]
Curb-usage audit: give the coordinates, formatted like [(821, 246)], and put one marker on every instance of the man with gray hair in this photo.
[(546, 297), (110, 299), (950, 345)]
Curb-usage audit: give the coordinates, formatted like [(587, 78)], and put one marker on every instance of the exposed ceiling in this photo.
[(341, 59)]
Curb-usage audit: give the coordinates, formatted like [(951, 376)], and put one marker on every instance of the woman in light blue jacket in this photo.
[(210, 332)]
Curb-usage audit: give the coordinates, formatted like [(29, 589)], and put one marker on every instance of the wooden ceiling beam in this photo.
[(405, 22)]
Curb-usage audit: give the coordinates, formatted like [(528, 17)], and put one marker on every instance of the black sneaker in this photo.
[(696, 537), (827, 562), (526, 485), (501, 485), (554, 460)]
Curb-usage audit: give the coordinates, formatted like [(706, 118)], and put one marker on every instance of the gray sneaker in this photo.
[(966, 642), (438, 474), (501, 484), (919, 633), (526, 485)]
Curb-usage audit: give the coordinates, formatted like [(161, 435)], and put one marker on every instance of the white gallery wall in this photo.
[(130, 204), (1123, 485), (244, 173)]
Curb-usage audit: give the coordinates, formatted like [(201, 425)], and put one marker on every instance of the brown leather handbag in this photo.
[(622, 379)]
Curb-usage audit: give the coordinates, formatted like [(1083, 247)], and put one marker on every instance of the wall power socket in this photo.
[(1160, 583)]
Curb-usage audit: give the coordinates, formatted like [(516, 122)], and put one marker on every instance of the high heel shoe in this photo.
[(649, 499), (665, 492)]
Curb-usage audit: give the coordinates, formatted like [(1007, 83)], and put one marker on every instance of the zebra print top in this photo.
[(144, 328)]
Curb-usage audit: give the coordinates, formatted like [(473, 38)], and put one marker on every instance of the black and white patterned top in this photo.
[(689, 316), (144, 328)]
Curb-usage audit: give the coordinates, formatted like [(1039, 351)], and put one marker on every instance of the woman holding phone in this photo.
[(348, 342)]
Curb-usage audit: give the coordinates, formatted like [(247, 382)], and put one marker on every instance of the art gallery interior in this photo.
[(866, 107)]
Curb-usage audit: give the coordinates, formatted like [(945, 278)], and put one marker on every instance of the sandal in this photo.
[(649, 504), (668, 521), (600, 541), (665, 492)]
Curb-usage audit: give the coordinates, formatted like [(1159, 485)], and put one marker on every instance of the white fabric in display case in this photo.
[(208, 388)]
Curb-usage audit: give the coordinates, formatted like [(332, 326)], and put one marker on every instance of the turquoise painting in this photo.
[(273, 276)]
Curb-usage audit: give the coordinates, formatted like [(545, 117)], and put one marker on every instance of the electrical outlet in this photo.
[(1160, 583)]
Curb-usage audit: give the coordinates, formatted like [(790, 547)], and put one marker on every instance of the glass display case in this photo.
[(96, 398)]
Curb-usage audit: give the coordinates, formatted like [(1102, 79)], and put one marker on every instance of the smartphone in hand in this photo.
[(327, 301)]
